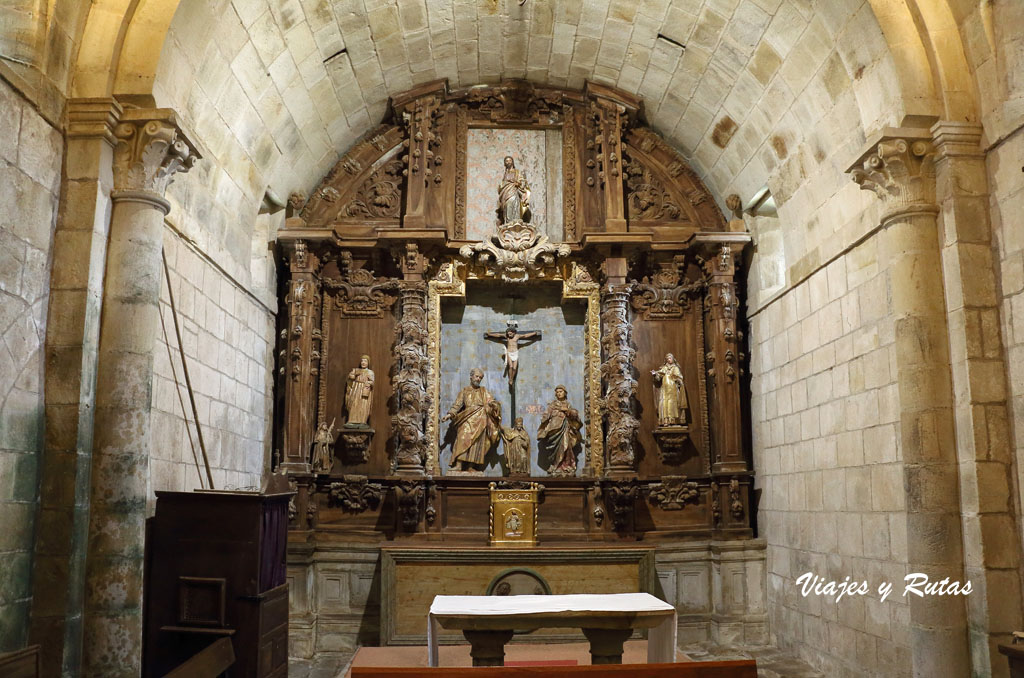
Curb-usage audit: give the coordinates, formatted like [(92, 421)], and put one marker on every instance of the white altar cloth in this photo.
[(661, 640)]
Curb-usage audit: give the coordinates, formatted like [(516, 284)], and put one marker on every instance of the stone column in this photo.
[(150, 149), (900, 168), (991, 540), (72, 341)]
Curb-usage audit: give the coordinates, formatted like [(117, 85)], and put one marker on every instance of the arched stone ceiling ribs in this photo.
[(738, 87)]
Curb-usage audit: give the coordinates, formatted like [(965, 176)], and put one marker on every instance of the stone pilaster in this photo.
[(72, 343), (150, 148), (977, 356), (900, 168)]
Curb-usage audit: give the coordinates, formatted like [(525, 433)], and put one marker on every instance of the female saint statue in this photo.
[(517, 449), (559, 434), (670, 393), (513, 194), (359, 394)]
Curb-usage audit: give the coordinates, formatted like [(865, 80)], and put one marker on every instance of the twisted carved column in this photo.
[(150, 148), (900, 169), (619, 383), (410, 380)]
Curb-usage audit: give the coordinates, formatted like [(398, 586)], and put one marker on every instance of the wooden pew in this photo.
[(20, 664), (746, 668), (209, 663)]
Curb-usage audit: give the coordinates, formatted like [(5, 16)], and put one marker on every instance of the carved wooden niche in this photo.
[(358, 319), (668, 301)]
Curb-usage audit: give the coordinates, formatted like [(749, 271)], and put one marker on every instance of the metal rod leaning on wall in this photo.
[(184, 368), (181, 401)]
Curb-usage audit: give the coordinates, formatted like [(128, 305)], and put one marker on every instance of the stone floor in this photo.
[(771, 663), (319, 668)]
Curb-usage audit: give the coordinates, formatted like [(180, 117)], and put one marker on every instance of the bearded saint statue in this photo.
[(359, 394), (476, 416)]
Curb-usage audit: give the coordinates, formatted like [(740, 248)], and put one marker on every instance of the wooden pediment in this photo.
[(410, 173), (661, 189), (366, 185)]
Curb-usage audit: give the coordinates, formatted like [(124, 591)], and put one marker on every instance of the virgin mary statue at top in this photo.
[(513, 194)]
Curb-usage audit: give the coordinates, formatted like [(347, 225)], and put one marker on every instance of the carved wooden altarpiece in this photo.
[(379, 247)]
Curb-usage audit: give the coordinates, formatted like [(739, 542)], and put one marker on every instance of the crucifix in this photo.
[(511, 338)]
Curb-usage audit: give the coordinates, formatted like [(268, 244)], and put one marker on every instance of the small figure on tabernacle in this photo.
[(511, 338), (476, 416), (517, 449), (323, 442), (559, 434), (359, 394), (513, 194), (670, 393)]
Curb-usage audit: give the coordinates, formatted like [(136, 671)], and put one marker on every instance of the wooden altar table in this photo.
[(607, 620)]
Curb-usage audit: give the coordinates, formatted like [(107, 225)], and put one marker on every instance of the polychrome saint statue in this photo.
[(476, 416)]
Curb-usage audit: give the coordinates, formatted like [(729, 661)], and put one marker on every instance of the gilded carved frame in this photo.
[(450, 281)]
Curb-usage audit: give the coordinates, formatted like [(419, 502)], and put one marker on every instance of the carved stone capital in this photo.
[(899, 166), (150, 148)]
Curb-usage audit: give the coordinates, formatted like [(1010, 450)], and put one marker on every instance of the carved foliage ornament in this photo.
[(355, 493), (409, 382), (516, 252), (409, 495), (358, 294), (516, 101), (379, 197), (646, 197), (621, 501), (674, 492), (900, 171), (147, 155), (663, 295), (617, 371)]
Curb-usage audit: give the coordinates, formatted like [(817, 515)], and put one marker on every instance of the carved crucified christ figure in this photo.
[(511, 338)]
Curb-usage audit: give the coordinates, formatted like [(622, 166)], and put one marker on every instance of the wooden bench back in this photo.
[(20, 664), (731, 669)]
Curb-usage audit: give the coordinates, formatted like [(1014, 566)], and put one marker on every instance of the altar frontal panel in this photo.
[(411, 577)]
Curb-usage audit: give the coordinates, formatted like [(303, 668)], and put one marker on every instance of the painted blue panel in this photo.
[(558, 358)]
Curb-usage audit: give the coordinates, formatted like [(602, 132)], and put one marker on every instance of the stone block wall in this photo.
[(1006, 186), (227, 335), (828, 461), (30, 165)]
